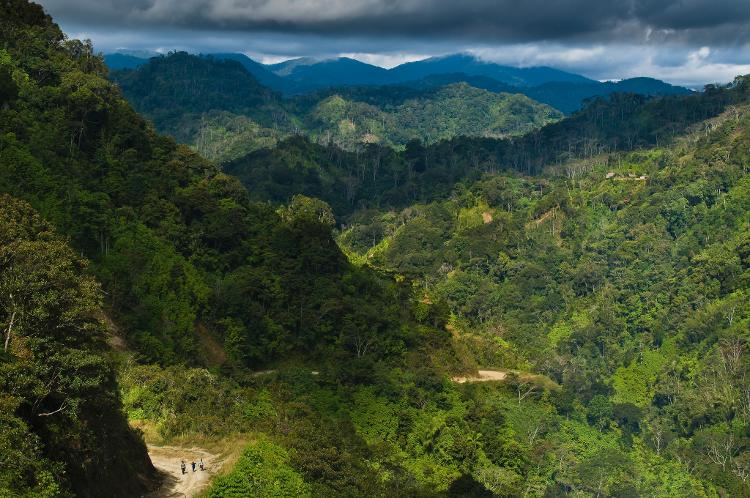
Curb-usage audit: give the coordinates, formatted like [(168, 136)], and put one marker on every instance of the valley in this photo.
[(451, 278)]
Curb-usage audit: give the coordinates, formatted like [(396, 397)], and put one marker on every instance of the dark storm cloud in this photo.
[(692, 14), (701, 21)]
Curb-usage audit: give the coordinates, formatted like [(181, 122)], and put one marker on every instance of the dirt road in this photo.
[(483, 376), (176, 484)]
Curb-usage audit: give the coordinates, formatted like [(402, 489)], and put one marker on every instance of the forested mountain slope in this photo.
[(62, 427), (222, 110), (623, 277), (383, 178), (177, 91), (184, 259), (430, 116)]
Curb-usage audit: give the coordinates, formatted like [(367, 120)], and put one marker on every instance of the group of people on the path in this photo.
[(183, 466)]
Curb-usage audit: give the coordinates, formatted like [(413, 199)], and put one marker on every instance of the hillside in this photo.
[(177, 90), (623, 277), (380, 177), (432, 116), (225, 112), (61, 417)]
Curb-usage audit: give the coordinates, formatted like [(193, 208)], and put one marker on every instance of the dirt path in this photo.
[(483, 376), (176, 484), (541, 381)]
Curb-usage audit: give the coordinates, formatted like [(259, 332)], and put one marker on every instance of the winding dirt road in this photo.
[(482, 376), (175, 484)]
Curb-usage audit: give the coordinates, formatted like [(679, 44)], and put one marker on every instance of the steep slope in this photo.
[(61, 423), (176, 90), (261, 72)]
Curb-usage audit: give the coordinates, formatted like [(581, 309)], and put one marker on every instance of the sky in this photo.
[(687, 42)]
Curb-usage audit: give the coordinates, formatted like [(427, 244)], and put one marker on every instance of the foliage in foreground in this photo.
[(63, 430)]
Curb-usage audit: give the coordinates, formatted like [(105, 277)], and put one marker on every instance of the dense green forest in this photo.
[(63, 428), (382, 178), (604, 252), (625, 283), (183, 256), (322, 312), (221, 109)]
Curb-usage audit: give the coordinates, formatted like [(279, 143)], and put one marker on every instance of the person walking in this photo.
[(193, 465), (182, 466), (201, 465)]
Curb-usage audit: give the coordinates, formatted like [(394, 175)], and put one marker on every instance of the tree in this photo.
[(59, 382)]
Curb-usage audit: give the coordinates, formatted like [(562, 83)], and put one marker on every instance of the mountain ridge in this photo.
[(562, 90), (205, 101)]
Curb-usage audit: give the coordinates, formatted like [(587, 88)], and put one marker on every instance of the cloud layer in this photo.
[(703, 21), (567, 33)]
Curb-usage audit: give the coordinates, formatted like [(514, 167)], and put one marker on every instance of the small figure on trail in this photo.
[(182, 466), (193, 464), (201, 465)]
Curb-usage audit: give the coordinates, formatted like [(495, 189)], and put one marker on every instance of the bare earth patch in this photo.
[(175, 484), (482, 376)]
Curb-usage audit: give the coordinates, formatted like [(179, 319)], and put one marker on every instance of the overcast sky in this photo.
[(688, 42)]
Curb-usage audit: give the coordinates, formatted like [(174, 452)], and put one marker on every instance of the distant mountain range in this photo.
[(562, 90), (564, 96), (473, 66)]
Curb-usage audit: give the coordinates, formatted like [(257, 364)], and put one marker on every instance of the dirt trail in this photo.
[(483, 376), (175, 484)]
